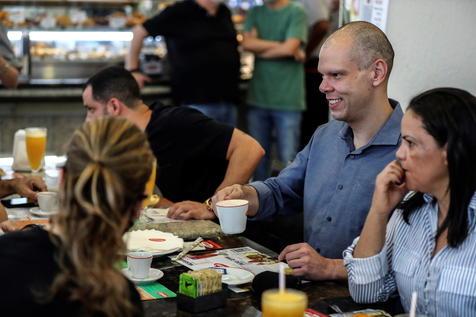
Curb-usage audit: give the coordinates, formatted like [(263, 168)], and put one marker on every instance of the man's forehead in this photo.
[(88, 98), (341, 44), (335, 59)]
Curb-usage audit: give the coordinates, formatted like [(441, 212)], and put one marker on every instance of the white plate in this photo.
[(40, 213), (236, 276), (154, 275), (153, 241), (163, 252)]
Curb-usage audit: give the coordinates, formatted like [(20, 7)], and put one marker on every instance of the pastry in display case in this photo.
[(64, 41), (70, 40)]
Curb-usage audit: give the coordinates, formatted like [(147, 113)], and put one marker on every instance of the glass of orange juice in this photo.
[(288, 303), (35, 139), (149, 188)]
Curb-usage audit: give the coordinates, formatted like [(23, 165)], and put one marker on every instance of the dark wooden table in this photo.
[(320, 294)]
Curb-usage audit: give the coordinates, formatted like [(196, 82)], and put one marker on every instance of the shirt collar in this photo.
[(472, 212), (471, 208), (389, 134), (428, 198)]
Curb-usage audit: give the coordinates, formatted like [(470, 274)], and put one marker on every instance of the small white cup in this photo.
[(48, 201), (232, 215), (139, 264)]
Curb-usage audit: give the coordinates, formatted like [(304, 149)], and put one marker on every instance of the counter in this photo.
[(55, 105)]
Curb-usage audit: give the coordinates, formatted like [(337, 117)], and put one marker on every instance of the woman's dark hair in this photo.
[(449, 116)]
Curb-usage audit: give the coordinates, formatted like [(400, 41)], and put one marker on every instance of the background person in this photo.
[(196, 155), (203, 53), (70, 268), (8, 63), (316, 112), (275, 32), (429, 244), (332, 179)]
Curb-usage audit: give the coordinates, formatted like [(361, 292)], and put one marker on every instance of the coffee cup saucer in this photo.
[(40, 213), (235, 276), (154, 275)]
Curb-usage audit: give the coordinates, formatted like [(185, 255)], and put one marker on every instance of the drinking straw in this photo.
[(282, 281), (413, 305)]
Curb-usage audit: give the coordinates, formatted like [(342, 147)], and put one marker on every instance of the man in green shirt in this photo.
[(276, 33)]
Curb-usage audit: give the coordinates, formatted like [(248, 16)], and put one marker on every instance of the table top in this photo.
[(320, 294)]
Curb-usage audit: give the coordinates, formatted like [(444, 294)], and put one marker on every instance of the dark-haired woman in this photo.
[(429, 244), (70, 269)]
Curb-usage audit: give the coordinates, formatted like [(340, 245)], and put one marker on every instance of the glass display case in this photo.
[(68, 41)]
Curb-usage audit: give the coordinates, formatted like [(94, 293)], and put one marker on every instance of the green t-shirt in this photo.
[(278, 83)]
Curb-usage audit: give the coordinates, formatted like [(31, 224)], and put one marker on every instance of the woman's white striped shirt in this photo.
[(445, 283)]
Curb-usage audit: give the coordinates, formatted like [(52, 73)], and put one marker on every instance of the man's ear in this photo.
[(114, 107), (379, 72)]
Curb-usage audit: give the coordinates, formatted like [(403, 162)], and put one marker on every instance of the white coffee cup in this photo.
[(48, 201), (232, 215), (139, 264)]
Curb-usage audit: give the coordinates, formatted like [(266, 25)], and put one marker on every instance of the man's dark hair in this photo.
[(114, 82), (449, 116)]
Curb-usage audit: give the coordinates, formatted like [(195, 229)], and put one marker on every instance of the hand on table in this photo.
[(27, 186), (186, 210), (7, 226), (308, 263)]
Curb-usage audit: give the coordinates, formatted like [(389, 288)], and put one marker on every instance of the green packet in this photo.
[(154, 291), (200, 283)]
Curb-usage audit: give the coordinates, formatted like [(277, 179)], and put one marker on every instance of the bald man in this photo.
[(332, 178)]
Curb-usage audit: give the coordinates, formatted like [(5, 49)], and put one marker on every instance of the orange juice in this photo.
[(149, 187), (290, 303), (35, 139)]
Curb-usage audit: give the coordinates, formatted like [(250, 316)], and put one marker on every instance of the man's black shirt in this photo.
[(202, 50)]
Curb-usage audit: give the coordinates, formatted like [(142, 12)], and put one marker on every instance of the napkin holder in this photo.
[(20, 158), (200, 291)]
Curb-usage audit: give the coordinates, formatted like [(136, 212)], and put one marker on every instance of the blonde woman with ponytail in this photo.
[(70, 268)]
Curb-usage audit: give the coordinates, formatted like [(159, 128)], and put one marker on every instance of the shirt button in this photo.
[(340, 187), (329, 219)]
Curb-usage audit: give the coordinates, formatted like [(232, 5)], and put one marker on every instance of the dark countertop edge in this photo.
[(66, 92), (43, 90)]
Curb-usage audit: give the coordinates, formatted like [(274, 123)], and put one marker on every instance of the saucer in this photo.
[(236, 276), (154, 275), (40, 213)]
